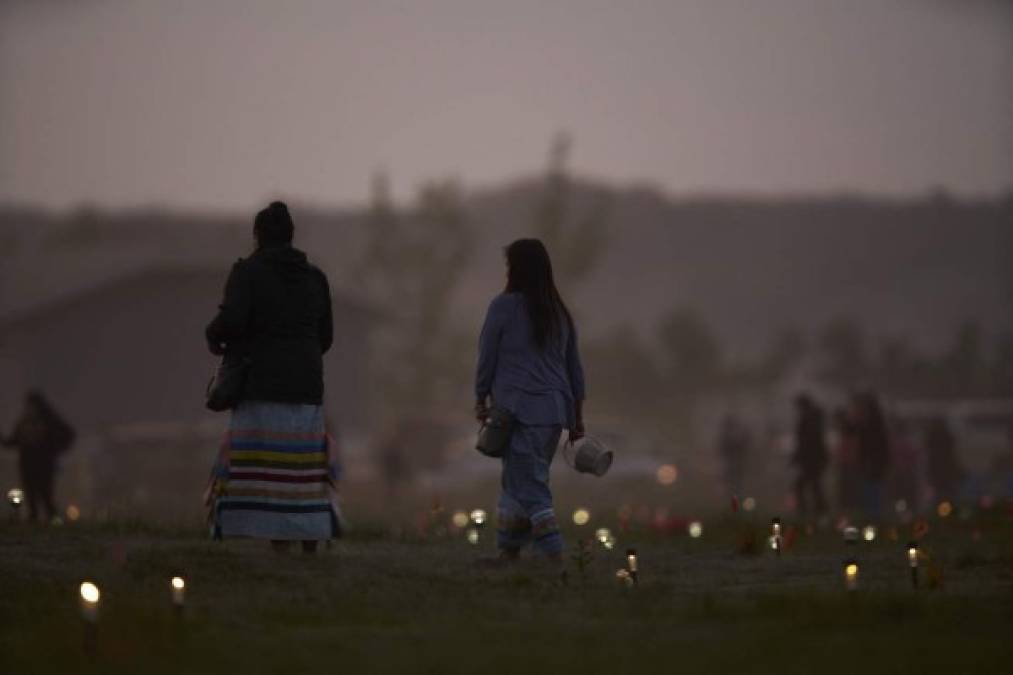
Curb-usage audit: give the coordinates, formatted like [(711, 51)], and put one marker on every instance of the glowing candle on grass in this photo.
[(775, 538), (912, 561), (632, 564), (605, 538), (478, 517), (178, 591), (869, 533), (15, 497), (851, 575), (460, 519), (581, 516), (90, 596), (472, 535), (695, 529)]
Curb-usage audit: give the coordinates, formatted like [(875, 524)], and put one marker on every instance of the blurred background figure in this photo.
[(1002, 464), (810, 456), (906, 469), (846, 458), (873, 452), (40, 435), (944, 470), (392, 462), (734, 441)]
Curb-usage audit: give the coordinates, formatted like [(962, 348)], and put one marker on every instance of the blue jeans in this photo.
[(525, 511)]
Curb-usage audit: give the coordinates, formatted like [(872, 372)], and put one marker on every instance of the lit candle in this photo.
[(912, 560), (178, 591), (478, 517), (695, 529), (775, 543), (851, 575), (623, 575), (15, 497), (631, 564), (89, 601), (604, 537)]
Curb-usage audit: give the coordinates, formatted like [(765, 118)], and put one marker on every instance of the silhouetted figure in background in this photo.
[(873, 452), (734, 443), (906, 461), (272, 474), (942, 466), (41, 435), (1002, 464), (810, 456), (846, 456), (393, 458)]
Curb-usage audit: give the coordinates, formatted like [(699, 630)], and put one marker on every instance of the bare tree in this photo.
[(576, 241)]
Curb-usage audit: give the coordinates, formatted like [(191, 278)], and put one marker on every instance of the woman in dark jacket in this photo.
[(873, 452), (273, 475), (530, 365)]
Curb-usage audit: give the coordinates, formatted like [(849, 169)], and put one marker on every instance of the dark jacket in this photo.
[(810, 441), (873, 451), (277, 311)]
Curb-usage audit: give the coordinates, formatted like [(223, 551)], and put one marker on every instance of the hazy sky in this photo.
[(206, 103)]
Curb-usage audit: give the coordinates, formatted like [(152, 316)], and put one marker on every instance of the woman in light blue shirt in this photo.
[(529, 364)]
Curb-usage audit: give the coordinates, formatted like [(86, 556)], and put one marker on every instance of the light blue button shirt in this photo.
[(539, 386)]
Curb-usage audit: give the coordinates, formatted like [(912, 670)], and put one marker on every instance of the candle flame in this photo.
[(90, 593)]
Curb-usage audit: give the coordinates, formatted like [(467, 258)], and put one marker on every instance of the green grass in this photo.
[(381, 603)]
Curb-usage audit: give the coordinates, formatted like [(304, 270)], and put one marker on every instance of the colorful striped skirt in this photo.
[(273, 476)]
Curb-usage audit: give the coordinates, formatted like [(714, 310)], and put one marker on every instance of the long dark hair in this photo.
[(529, 272)]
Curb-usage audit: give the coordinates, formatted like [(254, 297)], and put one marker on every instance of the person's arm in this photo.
[(488, 355), (575, 371), (326, 328), (233, 316)]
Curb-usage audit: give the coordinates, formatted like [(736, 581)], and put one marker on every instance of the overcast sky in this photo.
[(222, 104)]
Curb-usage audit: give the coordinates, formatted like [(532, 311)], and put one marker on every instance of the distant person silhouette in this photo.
[(529, 364), (873, 452), (943, 468), (41, 435), (810, 456), (272, 476), (734, 442), (846, 456), (1002, 464), (906, 463)]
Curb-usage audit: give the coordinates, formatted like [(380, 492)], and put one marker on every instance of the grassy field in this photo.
[(382, 602)]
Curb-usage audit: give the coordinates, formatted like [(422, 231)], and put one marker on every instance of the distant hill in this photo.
[(751, 266)]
